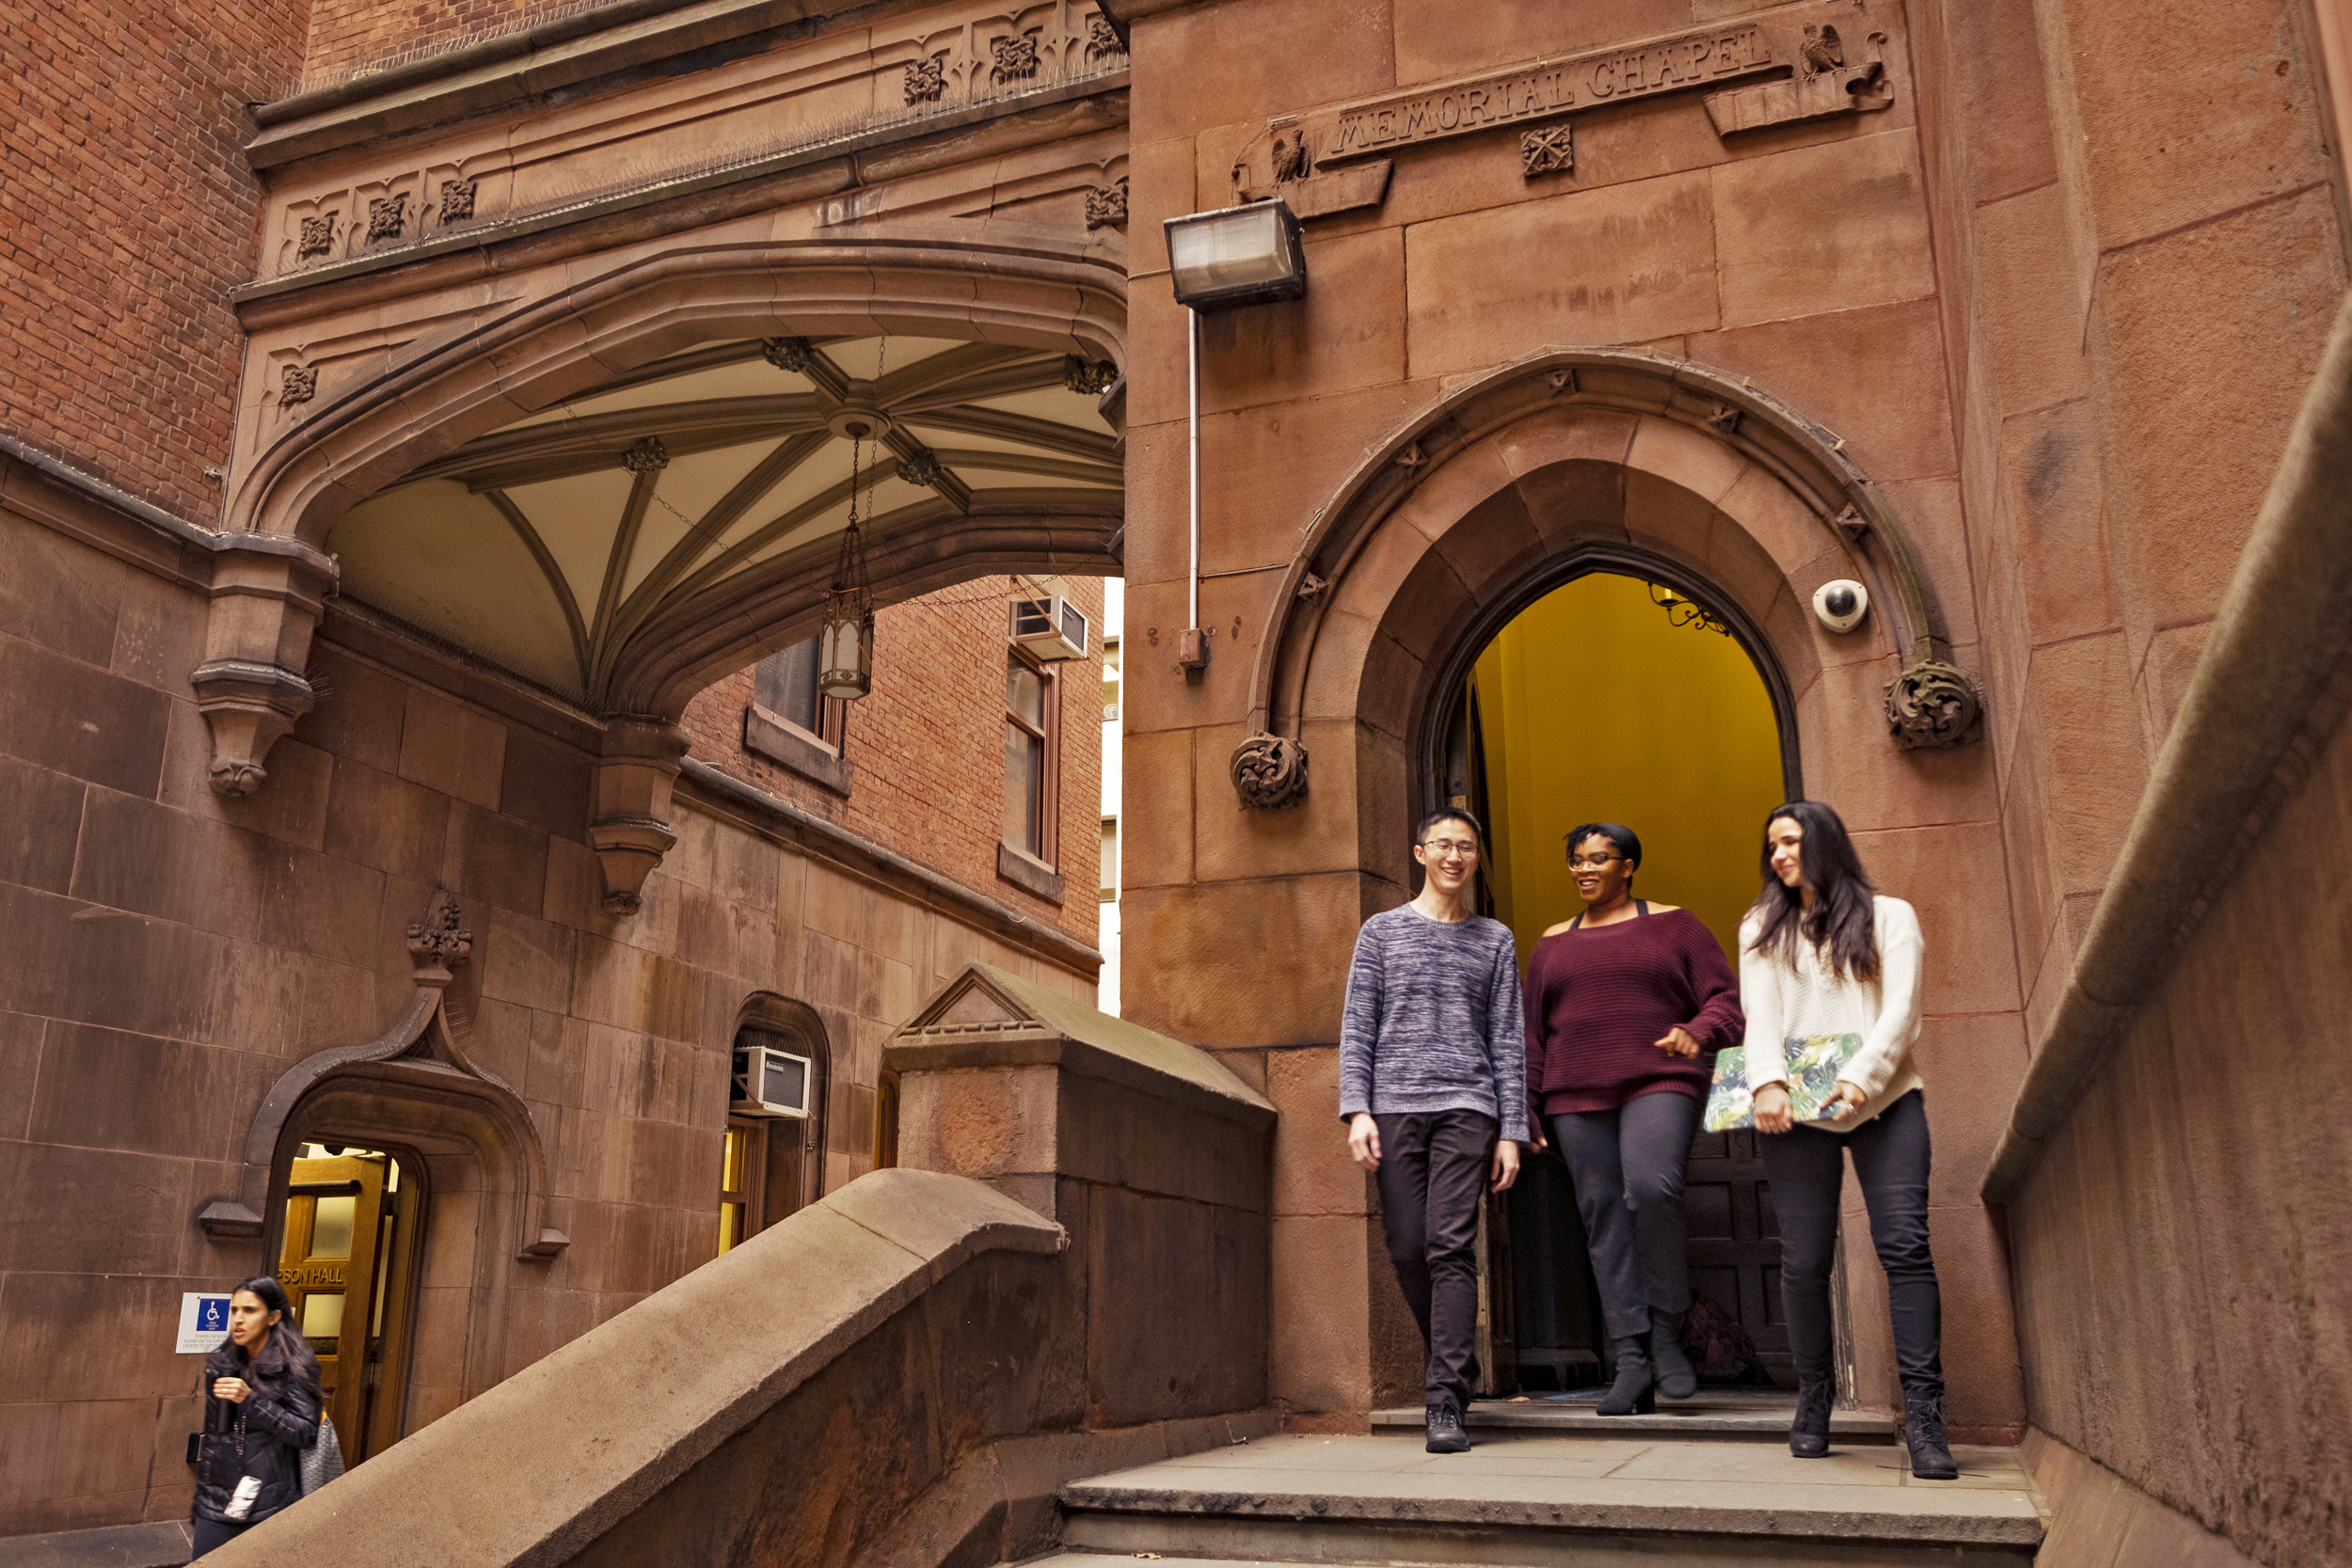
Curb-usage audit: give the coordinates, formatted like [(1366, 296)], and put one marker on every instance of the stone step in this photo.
[(1735, 1413), (1545, 1501)]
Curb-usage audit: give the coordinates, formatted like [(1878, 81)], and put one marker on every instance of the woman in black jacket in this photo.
[(260, 1412)]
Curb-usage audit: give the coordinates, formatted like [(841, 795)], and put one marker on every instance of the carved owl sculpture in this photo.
[(1291, 158), (1822, 50)]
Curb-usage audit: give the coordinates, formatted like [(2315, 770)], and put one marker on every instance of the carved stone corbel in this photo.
[(1933, 705), (268, 594), (1270, 772), (630, 831)]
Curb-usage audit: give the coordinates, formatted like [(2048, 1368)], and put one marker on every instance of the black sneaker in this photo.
[(1445, 1429)]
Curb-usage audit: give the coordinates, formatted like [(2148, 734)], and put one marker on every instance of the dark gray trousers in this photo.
[(1628, 1166), (1432, 1175), (1807, 1167)]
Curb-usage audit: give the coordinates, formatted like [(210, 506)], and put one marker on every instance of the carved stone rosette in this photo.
[(1932, 706), (1270, 772)]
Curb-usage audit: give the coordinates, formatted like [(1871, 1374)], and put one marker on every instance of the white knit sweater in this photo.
[(1785, 1001)]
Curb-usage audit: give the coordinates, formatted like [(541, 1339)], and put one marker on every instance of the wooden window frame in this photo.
[(818, 756), (1038, 870)]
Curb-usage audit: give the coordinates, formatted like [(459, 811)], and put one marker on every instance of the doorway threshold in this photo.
[(1760, 1415)]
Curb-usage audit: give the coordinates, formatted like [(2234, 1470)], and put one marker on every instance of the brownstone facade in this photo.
[(538, 384)]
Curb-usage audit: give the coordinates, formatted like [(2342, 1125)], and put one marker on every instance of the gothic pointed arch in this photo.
[(421, 1065), (1538, 458)]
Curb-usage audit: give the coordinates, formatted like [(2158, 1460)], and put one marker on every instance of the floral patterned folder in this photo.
[(1813, 1064)]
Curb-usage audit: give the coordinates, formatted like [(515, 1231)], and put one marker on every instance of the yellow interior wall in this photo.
[(1595, 708)]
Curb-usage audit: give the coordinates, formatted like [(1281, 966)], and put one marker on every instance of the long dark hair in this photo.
[(1843, 922), (285, 1350)]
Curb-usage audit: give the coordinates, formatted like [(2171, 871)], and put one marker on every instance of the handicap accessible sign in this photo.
[(203, 1322)]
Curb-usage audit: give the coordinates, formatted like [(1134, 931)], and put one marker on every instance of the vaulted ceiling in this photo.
[(555, 545)]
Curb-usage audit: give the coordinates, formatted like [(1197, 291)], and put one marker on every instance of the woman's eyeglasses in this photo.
[(1595, 863)]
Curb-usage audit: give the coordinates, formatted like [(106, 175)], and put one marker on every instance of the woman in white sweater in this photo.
[(1821, 955)]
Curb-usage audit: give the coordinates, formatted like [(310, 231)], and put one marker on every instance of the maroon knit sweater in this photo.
[(1599, 997)]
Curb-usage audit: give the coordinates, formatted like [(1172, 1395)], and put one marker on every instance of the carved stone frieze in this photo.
[(1724, 420), (1270, 772), (317, 236), (388, 217), (1103, 50), (1547, 150), (922, 468), (1107, 205), (951, 59), (1015, 58), (297, 384), (926, 80), (647, 456), (1933, 705)]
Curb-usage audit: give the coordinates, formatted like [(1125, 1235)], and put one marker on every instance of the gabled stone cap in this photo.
[(987, 1017)]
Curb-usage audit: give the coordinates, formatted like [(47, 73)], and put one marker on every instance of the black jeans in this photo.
[(1626, 1165), (1807, 1167), (210, 1533), (1433, 1173)]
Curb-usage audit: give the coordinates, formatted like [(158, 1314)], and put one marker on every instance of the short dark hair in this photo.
[(1449, 814), (1622, 838)]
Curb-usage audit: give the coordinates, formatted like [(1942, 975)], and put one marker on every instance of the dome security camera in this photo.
[(1841, 605)]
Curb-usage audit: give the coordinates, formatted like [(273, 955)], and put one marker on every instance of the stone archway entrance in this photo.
[(1567, 455), (1613, 685)]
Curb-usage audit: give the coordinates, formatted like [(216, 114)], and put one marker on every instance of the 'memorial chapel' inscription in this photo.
[(1536, 92)]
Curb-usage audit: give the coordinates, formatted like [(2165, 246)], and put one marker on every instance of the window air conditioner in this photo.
[(1051, 628), (769, 1082)]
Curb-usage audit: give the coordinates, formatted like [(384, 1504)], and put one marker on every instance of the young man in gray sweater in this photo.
[(1433, 1088)]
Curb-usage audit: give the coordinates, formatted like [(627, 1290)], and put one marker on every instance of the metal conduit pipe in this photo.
[(2259, 705)]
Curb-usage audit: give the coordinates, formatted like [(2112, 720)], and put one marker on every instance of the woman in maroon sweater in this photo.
[(1626, 1006)]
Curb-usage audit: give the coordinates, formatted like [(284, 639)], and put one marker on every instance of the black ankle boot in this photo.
[(1677, 1378), (1808, 1434), (1445, 1429), (1923, 1434), (1631, 1394)]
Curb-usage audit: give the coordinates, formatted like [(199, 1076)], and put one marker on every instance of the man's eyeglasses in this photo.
[(1593, 863), (1443, 847)]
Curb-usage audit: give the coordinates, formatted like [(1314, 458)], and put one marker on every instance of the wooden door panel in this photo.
[(1735, 1241), (328, 1265)]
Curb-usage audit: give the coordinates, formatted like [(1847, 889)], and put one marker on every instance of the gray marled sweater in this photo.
[(1432, 1021)]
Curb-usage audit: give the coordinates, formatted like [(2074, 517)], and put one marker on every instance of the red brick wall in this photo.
[(351, 36), (126, 211), (927, 748)]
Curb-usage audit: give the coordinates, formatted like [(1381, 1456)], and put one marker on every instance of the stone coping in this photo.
[(498, 72), (1635, 1485), (539, 1467), (1060, 1031)]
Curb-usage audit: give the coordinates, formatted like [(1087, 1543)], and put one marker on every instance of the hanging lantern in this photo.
[(845, 640)]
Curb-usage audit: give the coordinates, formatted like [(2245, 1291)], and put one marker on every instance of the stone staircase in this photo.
[(1553, 1487)]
